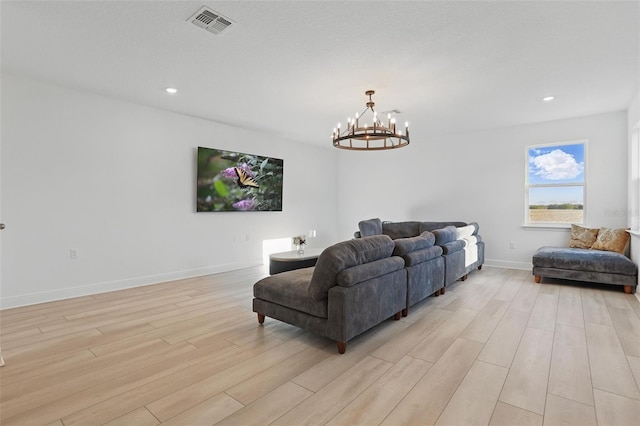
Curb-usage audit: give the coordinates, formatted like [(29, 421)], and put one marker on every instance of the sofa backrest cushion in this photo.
[(401, 229), (361, 273), (370, 227), (445, 235), (406, 245), (432, 226), (345, 255)]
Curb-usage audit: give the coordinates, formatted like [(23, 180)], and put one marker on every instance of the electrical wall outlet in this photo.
[(73, 253), (512, 246)]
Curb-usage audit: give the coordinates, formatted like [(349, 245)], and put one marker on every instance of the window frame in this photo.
[(528, 185)]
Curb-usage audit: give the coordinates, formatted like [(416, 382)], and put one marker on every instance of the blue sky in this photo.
[(556, 164)]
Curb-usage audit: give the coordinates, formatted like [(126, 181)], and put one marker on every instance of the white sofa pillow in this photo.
[(465, 231)]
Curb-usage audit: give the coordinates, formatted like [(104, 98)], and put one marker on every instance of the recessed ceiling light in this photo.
[(171, 90), (548, 98)]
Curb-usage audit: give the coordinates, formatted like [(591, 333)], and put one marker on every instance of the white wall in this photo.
[(480, 177), (116, 181), (633, 209), (633, 122)]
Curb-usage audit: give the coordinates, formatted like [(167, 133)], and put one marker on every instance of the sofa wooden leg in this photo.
[(537, 279), (479, 267), (442, 290), (464, 277), (397, 316), (261, 318), (405, 312), (627, 289), (342, 347), (436, 293)]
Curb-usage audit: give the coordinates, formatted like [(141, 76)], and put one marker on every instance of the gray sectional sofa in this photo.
[(354, 286), (359, 283), (461, 246)]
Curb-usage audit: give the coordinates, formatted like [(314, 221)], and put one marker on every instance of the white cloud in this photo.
[(556, 165)]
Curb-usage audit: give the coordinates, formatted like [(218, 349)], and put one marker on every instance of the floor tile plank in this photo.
[(330, 400), (570, 374), (474, 400), (508, 415), (627, 326), (440, 383), (375, 403), (526, 384), (486, 322), (609, 367), (565, 412), (269, 407), (503, 343), (616, 410), (206, 413), (570, 307), (594, 307)]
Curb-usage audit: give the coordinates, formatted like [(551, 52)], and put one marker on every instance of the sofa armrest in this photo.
[(423, 255), (407, 245), (452, 247)]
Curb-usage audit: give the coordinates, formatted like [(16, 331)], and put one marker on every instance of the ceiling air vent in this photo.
[(210, 20)]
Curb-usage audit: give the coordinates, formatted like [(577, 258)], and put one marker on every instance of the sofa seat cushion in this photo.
[(291, 289), (587, 260)]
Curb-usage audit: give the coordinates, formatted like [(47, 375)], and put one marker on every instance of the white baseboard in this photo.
[(525, 266), (89, 289)]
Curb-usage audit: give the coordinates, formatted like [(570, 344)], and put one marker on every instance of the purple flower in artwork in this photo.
[(248, 204), (229, 173)]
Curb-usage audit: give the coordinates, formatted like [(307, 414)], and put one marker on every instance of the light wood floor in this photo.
[(497, 349)]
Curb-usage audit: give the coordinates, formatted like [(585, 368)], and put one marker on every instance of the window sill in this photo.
[(548, 227)]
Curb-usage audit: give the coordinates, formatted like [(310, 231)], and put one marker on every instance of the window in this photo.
[(555, 183)]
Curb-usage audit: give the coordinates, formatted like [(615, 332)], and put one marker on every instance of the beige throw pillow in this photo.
[(582, 237), (611, 240)]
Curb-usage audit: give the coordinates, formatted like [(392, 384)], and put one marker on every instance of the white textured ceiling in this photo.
[(297, 68)]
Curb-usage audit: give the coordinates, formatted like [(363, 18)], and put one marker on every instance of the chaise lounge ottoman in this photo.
[(590, 265)]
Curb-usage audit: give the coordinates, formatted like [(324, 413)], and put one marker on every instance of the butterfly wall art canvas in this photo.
[(235, 181)]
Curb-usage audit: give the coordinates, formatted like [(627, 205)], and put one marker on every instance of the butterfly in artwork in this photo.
[(244, 180)]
